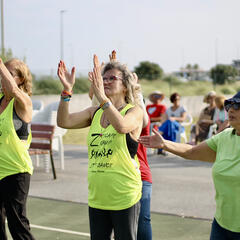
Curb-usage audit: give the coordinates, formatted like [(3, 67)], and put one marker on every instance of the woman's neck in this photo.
[(175, 106), (118, 103)]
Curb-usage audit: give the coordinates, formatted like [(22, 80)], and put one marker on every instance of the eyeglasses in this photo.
[(236, 106), (111, 78)]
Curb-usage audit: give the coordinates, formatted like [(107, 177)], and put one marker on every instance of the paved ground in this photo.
[(61, 220), (180, 186)]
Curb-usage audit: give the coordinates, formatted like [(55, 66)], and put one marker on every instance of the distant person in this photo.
[(200, 130), (15, 138), (114, 180), (220, 117), (156, 109), (222, 149), (171, 122)]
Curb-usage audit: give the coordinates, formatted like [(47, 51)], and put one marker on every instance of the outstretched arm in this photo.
[(199, 152)]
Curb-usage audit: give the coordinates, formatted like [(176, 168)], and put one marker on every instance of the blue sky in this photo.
[(171, 33)]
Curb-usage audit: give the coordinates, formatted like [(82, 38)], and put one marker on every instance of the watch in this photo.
[(106, 105)]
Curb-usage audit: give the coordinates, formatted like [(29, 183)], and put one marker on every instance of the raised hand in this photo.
[(154, 141), (112, 56), (95, 77), (67, 79)]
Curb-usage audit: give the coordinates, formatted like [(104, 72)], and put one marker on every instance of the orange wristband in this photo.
[(103, 103), (64, 93)]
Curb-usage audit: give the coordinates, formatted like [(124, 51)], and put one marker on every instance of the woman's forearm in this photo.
[(200, 152), (127, 123), (180, 149), (63, 114)]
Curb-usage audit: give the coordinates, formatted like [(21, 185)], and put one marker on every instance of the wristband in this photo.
[(106, 105), (64, 92), (102, 104), (66, 98)]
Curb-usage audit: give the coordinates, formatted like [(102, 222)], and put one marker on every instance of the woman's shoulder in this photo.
[(131, 107), (228, 132)]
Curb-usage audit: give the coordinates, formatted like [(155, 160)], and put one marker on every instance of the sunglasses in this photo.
[(236, 106), (111, 78), (157, 96)]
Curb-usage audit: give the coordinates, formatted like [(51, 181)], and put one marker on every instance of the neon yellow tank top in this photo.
[(114, 180), (14, 157)]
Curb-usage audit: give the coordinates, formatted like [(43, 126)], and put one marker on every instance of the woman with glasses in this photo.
[(114, 180), (223, 150), (15, 162)]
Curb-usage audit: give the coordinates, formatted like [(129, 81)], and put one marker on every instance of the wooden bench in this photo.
[(42, 135)]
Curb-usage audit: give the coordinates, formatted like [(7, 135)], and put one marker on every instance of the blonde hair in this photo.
[(22, 71), (133, 88), (219, 101)]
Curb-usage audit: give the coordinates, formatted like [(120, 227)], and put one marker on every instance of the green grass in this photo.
[(191, 88)]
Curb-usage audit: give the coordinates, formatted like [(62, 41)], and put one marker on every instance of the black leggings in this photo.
[(13, 197), (123, 222)]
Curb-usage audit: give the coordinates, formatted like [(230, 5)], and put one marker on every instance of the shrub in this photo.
[(172, 80), (82, 85), (226, 90), (223, 73), (148, 70), (46, 85)]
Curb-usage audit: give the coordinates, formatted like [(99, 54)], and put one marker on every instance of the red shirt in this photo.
[(142, 157), (155, 110)]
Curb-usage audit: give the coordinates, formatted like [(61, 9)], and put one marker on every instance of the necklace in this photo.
[(105, 123)]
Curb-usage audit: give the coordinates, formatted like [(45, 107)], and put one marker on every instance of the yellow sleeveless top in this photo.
[(14, 157), (114, 180)]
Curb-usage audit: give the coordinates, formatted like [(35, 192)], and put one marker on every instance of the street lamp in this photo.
[(61, 34), (2, 30)]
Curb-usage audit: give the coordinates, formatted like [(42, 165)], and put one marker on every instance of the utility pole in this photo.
[(61, 35), (2, 30), (216, 61)]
